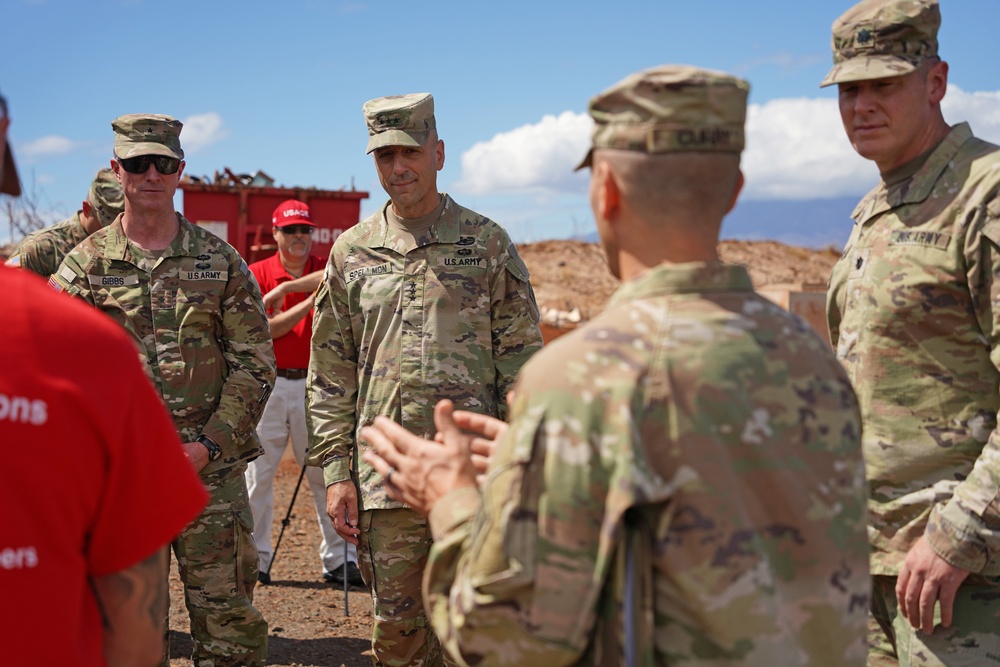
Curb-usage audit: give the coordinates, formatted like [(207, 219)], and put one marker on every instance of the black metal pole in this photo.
[(286, 521)]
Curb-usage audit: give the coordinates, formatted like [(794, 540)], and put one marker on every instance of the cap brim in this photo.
[(867, 68), (396, 138), (151, 148), (10, 183), (587, 161)]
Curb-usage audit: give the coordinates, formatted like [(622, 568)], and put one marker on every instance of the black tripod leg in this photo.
[(285, 521)]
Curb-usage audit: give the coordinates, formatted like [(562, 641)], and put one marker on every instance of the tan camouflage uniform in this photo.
[(199, 325), (42, 251), (912, 313), (911, 310), (691, 414), (401, 322)]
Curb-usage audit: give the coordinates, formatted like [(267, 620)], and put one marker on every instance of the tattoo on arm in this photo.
[(133, 602)]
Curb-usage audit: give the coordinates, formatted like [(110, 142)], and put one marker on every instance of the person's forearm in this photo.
[(134, 606), (286, 320), (307, 283)]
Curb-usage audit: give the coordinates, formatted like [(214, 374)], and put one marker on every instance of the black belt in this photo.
[(292, 373)]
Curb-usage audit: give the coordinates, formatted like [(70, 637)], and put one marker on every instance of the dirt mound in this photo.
[(572, 282)]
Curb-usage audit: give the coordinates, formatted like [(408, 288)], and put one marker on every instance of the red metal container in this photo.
[(241, 214)]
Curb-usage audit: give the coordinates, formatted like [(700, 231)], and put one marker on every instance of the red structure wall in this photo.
[(242, 214)]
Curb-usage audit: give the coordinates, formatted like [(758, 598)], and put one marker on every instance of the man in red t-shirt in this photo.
[(93, 487), (284, 416)]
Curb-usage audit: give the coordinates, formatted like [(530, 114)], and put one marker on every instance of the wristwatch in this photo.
[(214, 451)]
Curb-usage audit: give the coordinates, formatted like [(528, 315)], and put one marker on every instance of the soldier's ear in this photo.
[(736, 190)]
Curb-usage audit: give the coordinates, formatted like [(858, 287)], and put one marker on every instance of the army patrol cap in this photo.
[(668, 109), (875, 39), (106, 197), (399, 120), (147, 134)]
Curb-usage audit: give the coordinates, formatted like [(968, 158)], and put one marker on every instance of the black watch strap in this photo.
[(214, 451)]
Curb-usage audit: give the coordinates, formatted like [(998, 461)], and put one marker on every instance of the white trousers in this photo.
[(284, 419)]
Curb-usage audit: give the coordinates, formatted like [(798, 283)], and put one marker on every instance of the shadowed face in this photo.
[(890, 120), (409, 176)]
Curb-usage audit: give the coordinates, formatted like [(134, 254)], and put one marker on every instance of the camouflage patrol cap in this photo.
[(147, 134), (399, 120), (106, 197), (671, 108), (883, 38)]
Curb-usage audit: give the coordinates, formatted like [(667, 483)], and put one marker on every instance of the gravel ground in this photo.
[(308, 626)]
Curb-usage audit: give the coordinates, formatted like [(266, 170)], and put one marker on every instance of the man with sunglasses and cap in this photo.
[(423, 300), (914, 313), (43, 251), (194, 310), (284, 417)]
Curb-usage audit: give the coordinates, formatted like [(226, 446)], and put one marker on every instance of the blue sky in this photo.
[(279, 87)]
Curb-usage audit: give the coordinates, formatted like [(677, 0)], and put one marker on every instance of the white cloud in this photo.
[(48, 146), (202, 130), (529, 158), (981, 109), (796, 149)]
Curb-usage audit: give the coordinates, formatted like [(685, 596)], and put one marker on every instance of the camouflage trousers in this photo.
[(217, 562), (972, 639), (392, 553)]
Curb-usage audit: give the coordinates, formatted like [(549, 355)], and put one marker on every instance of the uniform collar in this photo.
[(688, 278), (918, 187), (116, 243), (445, 230)]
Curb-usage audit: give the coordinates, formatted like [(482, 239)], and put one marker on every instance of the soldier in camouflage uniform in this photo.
[(194, 310), (912, 309), (682, 481), (423, 300), (43, 251)]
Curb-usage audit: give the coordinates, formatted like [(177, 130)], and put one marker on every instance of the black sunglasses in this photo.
[(295, 229), (140, 165)]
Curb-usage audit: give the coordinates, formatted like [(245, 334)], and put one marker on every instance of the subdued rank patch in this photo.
[(463, 261), (933, 239), (113, 281), (377, 270), (204, 275)]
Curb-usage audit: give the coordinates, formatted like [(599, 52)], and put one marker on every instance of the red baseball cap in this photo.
[(292, 212)]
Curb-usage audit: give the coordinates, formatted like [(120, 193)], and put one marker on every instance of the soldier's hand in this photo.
[(342, 507), (197, 454), (417, 471), (925, 579), (486, 432)]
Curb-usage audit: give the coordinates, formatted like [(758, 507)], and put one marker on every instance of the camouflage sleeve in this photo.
[(71, 276), (332, 385), (965, 529), (514, 576), (249, 353), (514, 320), (32, 253)]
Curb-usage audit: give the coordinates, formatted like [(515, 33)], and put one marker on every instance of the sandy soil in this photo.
[(308, 625)]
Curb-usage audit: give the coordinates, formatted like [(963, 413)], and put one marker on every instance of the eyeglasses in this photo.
[(296, 229), (140, 165)]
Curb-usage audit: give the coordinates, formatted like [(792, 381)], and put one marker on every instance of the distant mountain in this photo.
[(811, 223)]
